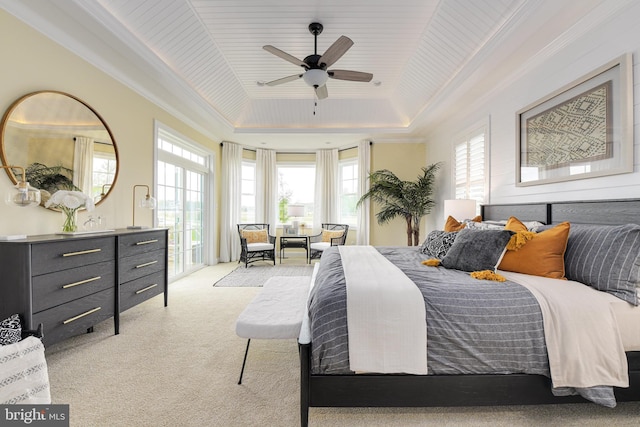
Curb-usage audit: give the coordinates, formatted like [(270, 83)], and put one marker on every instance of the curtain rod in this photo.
[(98, 142), (300, 152)]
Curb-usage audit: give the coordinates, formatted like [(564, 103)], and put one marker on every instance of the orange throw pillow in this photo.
[(255, 236), (514, 224), (543, 255), (327, 235), (453, 224)]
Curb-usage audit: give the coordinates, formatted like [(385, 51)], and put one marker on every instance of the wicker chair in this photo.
[(322, 241), (255, 244)]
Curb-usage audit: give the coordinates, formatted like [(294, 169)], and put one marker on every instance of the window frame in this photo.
[(200, 160), (466, 138), (342, 164), (308, 221), (252, 164)]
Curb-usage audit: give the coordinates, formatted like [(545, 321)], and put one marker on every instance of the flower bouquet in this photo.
[(69, 202)]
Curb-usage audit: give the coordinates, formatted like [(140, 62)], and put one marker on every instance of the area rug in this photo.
[(256, 275)]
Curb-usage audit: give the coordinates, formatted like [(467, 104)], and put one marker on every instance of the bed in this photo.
[(340, 388)]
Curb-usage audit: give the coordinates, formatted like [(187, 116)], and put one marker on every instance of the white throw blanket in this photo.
[(385, 315), (581, 333)]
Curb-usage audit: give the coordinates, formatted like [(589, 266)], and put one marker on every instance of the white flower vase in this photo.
[(70, 218)]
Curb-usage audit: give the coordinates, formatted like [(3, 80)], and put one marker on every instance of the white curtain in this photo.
[(83, 164), (326, 189), (266, 188), (231, 194), (364, 164)]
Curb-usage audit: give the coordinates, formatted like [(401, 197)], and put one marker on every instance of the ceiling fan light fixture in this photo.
[(315, 77)]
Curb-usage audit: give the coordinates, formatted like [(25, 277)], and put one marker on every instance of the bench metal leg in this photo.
[(244, 361)]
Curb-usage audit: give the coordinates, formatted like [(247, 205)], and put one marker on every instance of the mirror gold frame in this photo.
[(49, 133)]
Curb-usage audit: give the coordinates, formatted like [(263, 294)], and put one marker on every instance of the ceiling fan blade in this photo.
[(322, 92), (354, 76), (284, 55), (283, 80), (335, 51)]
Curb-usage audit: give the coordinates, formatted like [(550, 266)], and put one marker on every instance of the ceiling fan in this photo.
[(316, 73)]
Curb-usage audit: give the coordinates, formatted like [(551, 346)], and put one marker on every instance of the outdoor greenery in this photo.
[(410, 200)]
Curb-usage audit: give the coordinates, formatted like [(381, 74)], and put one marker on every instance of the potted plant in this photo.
[(410, 200)]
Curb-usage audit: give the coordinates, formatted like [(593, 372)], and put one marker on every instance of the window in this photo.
[(248, 197), (104, 172), (470, 167), (183, 190), (296, 186), (348, 192)]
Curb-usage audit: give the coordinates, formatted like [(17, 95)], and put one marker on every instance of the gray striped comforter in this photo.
[(473, 326)]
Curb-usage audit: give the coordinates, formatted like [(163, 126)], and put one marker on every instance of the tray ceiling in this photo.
[(203, 61)]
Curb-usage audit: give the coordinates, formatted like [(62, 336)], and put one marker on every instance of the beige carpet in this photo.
[(178, 366), (257, 274)]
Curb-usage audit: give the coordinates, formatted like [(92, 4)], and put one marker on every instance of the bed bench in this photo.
[(275, 313)]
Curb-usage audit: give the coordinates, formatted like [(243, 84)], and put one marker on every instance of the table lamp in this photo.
[(295, 211), (22, 195), (148, 202), (460, 209)]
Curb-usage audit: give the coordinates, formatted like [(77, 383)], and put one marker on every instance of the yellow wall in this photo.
[(404, 160), (32, 62)]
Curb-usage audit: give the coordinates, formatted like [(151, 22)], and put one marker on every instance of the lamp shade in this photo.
[(460, 209), (315, 77), (295, 211), (22, 195)]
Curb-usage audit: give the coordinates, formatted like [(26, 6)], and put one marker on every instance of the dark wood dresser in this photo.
[(70, 283)]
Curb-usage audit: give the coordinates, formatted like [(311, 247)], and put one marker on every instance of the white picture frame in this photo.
[(582, 130)]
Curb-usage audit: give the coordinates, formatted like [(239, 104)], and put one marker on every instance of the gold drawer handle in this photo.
[(86, 313), (90, 251), (146, 289), (146, 264), (82, 282), (146, 242)]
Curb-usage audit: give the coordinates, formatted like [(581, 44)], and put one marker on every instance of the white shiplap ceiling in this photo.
[(202, 60)]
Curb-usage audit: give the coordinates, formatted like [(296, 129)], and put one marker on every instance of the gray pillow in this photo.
[(477, 250), (605, 257), (438, 243)]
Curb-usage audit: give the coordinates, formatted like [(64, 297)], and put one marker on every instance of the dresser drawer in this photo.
[(57, 256), (134, 267), (138, 243), (50, 290), (139, 290), (76, 317)]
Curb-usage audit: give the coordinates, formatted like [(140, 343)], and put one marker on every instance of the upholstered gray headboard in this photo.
[(622, 211)]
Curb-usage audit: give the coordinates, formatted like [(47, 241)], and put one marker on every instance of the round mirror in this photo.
[(62, 143)]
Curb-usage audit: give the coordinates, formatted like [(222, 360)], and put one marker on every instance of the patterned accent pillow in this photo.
[(438, 243), (10, 330), (255, 236), (477, 250), (484, 225), (605, 257)]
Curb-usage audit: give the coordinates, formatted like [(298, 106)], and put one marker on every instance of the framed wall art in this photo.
[(582, 130)]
